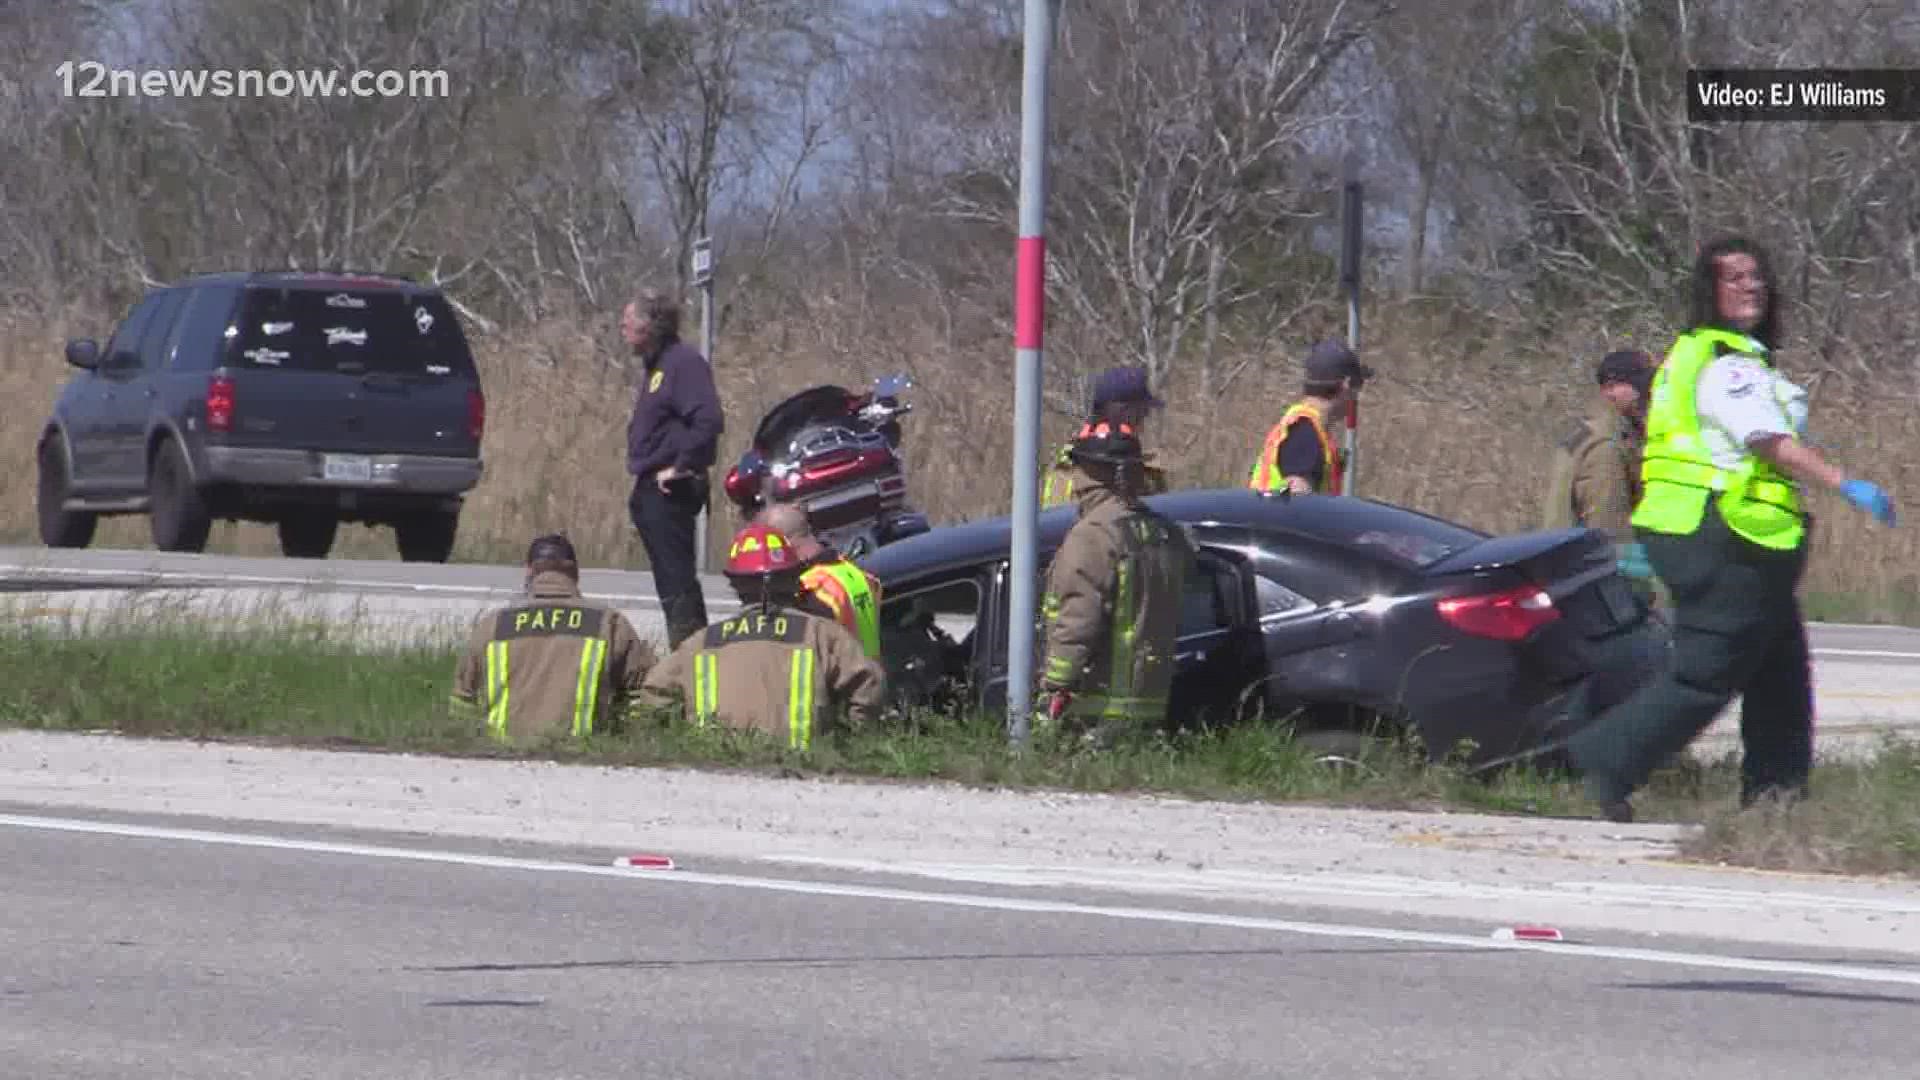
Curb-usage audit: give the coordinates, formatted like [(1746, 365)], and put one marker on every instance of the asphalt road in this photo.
[(205, 956)]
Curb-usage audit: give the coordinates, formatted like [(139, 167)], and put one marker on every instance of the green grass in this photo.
[(311, 684)]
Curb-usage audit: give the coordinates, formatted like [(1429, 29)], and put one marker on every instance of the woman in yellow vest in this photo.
[(1724, 527)]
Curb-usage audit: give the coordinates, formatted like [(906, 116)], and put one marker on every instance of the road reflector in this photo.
[(643, 862), (1528, 933)]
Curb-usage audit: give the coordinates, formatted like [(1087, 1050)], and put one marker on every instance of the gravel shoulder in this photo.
[(1581, 876)]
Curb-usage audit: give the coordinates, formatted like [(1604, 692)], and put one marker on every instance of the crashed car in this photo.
[(1344, 615)]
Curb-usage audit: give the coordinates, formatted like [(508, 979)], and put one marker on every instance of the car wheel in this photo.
[(178, 517), (426, 537), (59, 527), (308, 535)]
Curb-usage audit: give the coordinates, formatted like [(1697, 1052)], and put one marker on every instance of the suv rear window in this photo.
[(353, 330)]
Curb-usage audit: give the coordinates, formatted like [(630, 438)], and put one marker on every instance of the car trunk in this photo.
[(1494, 589), (351, 371)]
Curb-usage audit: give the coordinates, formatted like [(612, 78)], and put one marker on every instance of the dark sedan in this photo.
[(1340, 612)]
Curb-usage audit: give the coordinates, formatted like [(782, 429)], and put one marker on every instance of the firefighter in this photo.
[(1596, 474), (1299, 454), (1121, 395), (774, 667), (833, 582), (1725, 526), (1112, 602), (554, 662)]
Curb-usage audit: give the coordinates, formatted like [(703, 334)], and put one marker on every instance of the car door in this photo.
[(91, 424), (135, 388), (1221, 664)]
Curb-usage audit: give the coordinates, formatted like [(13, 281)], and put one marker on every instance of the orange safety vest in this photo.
[(852, 595), (1266, 475)]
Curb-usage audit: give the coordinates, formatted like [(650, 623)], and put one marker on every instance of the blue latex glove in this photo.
[(1633, 562), (1869, 497)]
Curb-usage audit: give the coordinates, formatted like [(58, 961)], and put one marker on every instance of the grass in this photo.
[(287, 681), (1460, 424)]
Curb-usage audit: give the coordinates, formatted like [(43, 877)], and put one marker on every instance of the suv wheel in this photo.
[(427, 537), (178, 516), (59, 527), (308, 535)]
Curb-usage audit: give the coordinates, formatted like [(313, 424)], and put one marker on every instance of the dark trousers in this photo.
[(667, 524), (1737, 629)]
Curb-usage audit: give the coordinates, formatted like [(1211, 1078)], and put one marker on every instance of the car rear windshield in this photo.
[(1406, 536), (353, 330)]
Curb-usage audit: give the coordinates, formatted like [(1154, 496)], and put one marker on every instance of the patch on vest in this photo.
[(546, 620), (1743, 379), (789, 627)]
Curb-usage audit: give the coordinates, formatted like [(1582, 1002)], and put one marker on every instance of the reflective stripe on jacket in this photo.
[(1758, 501), (1266, 474)]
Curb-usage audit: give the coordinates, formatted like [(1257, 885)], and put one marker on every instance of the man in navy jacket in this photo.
[(672, 441)]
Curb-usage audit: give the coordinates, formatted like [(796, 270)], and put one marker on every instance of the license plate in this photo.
[(347, 468)]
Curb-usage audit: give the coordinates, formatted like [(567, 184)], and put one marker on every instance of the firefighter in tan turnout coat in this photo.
[(554, 663), (774, 667), (1112, 603)]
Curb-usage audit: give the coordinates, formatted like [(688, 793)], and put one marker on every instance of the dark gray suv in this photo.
[(300, 399)]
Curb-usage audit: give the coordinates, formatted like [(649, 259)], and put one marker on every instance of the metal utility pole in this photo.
[(1350, 246), (703, 281), (1029, 321)]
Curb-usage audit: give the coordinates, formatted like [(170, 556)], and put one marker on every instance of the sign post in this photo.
[(703, 281), (1029, 324), (1350, 247)]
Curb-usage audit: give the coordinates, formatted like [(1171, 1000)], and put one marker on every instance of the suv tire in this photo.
[(427, 536), (308, 535), (177, 515), (60, 528)]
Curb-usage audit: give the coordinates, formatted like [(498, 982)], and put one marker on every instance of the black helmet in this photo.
[(1105, 442)]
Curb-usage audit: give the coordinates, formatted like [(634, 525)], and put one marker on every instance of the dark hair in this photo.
[(1706, 307), (659, 309)]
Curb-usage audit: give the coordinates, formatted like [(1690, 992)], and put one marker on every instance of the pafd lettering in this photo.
[(757, 626)]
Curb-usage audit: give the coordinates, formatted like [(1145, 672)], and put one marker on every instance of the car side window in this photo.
[(159, 328), (200, 332), (1275, 598), (1205, 606), (127, 337)]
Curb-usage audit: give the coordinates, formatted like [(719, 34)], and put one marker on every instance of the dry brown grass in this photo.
[(1461, 425)]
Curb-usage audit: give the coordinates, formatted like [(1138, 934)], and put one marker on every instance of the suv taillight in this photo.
[(1503, 616), (220, 404), (476, 414)]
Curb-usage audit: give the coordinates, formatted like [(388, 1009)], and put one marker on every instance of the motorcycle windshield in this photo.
[(811, 406)]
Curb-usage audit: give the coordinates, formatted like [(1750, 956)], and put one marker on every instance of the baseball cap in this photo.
[(1331, 359), (1123, 384), (553, 547), (1622, 365)]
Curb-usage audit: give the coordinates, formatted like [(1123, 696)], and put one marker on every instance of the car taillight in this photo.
[(476, 414), (1503, 616), (220, 404)]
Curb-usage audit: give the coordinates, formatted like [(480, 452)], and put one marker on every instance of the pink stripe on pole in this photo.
[(1030, 292), (1353, 414)]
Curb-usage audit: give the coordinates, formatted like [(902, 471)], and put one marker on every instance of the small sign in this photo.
[(703, 261)]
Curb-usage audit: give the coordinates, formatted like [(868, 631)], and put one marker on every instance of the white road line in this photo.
[(1846, 972), (141, 578), (1883, 654)]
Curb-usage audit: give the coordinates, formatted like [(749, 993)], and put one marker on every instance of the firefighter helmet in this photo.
[(758, 551), (1105, 442)]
